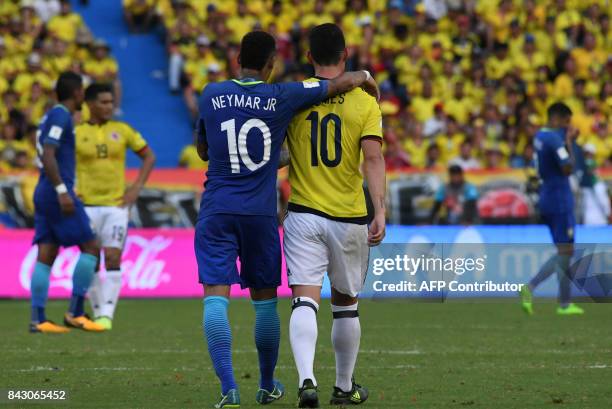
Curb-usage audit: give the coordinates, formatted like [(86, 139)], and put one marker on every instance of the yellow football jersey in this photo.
[(100, 154), (325, 147)]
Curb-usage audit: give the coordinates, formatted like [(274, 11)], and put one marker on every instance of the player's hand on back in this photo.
[(66, 203), (376, 234), (371, 87), (130, 196)]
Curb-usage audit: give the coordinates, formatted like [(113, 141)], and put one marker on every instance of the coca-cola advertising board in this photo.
[(156, 263)]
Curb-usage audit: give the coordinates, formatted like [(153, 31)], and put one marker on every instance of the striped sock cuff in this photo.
[(345, 311), (262, 303), (304, 302), (216, 299)]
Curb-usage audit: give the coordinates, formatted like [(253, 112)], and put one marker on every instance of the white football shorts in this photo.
[(110, 224), (314, 245)]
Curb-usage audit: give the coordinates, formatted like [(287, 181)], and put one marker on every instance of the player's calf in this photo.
[(111, 287), (219, 339), (81, 280), (267, 341), (346, 336), (40, 288)]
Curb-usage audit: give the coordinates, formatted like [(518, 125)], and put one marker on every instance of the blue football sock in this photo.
[(39, 287), (267, 340), (546, 271), (81, 280), (219, 338), (565, 277)]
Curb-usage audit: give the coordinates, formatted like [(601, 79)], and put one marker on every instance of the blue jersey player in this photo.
[(59, 217), (240, 132), (554, 146)]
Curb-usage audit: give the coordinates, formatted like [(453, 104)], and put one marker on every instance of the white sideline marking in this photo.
[(391, 352)]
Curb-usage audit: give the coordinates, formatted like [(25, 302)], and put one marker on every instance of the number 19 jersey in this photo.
[(244, 124), (325, 147)]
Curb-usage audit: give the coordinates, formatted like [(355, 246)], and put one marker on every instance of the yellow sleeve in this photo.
[(52, 24), (373, 123), (135, 141), (113, 66), (184, 160)]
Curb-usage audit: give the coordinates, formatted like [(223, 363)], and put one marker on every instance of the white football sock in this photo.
[(95, 294), (110, 291), (303, 336), (346, 334)]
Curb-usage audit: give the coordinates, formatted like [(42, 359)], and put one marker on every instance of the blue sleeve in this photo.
[(301, 95), (558, 149), (440, 194), (54, 127), (471, 193)]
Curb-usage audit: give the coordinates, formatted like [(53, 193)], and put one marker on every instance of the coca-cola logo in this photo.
[(142, 265)]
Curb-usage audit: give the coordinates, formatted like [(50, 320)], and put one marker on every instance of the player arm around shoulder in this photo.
[(374, 173), (352, 80)]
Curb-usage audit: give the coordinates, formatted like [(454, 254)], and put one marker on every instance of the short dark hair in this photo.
[(67, 83), (95, 89), (455, 170), (255, 50), (326, 44), (560, 110)]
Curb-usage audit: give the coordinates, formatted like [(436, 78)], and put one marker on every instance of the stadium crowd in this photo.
[(464, 82), (38, 40)]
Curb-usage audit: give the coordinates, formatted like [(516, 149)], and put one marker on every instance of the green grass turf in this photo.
[(413, 355)]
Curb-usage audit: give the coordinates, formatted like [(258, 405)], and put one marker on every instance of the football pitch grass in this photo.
[(413, 355)]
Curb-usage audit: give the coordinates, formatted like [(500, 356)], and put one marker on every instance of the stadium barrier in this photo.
[(161, 262), (172, 196)]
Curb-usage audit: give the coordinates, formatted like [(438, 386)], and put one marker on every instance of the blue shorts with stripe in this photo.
[(561, 225), (52, 226), (221, 239)]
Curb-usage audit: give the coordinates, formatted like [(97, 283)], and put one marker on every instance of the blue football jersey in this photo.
[(551, 155), (57, 128), (244, 124)]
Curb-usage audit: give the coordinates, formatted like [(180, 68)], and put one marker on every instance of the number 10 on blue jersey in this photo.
[(237, 147)]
